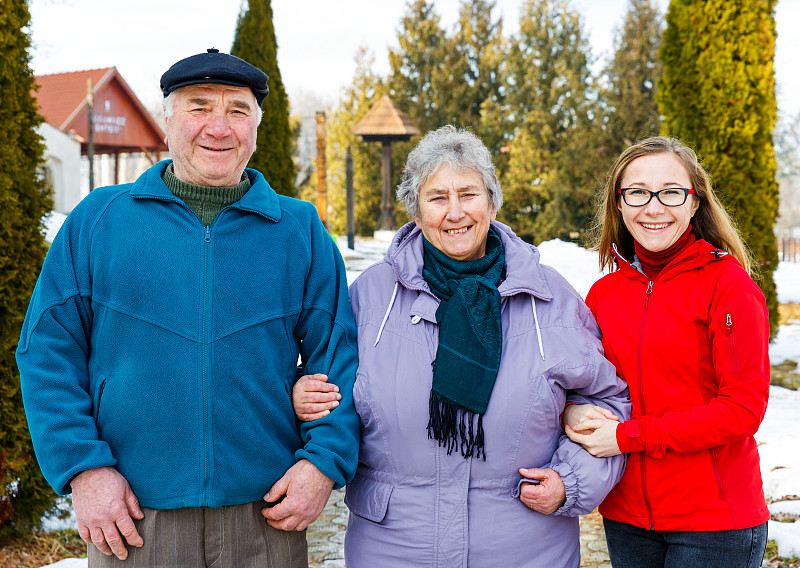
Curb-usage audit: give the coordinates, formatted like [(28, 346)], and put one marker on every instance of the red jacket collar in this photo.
[(697, 255)]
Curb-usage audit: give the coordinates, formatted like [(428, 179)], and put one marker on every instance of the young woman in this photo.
[(688, 330)]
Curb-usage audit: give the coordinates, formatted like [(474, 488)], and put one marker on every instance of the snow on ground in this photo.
[(787, 280), (778, 440), (52, 224), (778, 436), (70, 563)]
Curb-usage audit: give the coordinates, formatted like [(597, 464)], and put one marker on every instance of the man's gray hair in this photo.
[(458, 148), (169, 106)]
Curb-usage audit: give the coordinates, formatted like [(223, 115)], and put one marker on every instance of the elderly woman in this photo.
[(469, 350), (688, 329)]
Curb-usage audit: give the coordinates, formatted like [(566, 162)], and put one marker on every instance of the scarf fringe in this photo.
[(454, 427)]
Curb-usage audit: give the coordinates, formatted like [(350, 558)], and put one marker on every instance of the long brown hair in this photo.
[(711, 222)]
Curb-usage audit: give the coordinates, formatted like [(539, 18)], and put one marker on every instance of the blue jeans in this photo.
[(634, 547)]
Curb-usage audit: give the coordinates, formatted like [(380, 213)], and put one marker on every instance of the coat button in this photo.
[(415, 320)]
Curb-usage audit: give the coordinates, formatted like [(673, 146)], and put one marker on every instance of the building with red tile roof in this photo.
[(121, 126)]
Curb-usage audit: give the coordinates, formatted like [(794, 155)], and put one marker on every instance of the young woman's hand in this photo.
[(598, 437)]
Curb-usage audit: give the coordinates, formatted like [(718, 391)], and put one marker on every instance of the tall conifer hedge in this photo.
[(718, 95), (24, 200), (255, 43)]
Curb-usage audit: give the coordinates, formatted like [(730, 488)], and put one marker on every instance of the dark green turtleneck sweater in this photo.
[(206, 202)]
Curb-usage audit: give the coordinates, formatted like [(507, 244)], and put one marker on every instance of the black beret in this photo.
[(218, 69)]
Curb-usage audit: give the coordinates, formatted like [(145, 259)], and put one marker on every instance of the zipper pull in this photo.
[(728, 324), (649, 291), (208, 233)]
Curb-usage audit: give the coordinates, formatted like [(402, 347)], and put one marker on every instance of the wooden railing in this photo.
[(788, 248)]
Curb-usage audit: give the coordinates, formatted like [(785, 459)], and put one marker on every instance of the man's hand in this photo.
[(314, 397), (104, 505), (545, 497), (306, 491)]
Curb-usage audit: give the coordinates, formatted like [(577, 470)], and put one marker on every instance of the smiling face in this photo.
[(655, 226), (212, 133), (455, 212)]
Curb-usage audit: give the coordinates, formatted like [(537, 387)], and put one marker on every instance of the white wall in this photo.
[(62, 167)]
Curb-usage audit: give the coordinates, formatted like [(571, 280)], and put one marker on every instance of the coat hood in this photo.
[(523, 272)]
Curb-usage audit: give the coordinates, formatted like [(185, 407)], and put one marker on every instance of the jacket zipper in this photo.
[(205, 341), (729, 333), (641, 399)]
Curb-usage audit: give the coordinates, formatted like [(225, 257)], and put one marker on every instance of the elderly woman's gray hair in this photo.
[(461, 150)]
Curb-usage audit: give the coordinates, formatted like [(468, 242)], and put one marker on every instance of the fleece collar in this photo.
[(697, 255), (260, 199)]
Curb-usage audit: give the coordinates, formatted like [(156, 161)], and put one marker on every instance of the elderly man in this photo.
[(160, 347)]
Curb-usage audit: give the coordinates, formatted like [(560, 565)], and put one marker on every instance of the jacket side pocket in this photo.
[(368, 498), (98, 396)]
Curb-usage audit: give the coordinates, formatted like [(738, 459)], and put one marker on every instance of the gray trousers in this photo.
[(227, 537)]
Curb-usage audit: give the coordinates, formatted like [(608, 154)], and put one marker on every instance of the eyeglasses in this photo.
[(670, 197)]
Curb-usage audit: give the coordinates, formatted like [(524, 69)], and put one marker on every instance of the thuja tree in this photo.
[(255, 43), (718, 95), (24, 200)]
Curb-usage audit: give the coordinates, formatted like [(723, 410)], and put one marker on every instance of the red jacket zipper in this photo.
[(729, 333), (644, 411)]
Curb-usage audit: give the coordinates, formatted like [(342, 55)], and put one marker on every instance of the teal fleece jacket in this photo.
[(168, 349)]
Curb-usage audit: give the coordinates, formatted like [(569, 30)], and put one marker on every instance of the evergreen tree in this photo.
[(549, 180), (440, 79), (255, 43), (718, 95), (473, 70), (365, 90), (24, 200), (417, 64), (631, 112)]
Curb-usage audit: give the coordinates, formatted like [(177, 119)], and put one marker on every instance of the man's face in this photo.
[(212, 133)]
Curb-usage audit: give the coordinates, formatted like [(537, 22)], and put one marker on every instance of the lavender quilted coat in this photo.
[(410, 503)]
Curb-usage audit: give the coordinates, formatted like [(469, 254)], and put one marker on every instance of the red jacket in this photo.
[(693, 346)]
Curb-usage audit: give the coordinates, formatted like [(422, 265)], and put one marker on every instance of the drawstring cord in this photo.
[(538, 331), (386, 315)]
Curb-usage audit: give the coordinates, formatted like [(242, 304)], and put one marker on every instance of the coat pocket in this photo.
[(368, 498), (97, 396)]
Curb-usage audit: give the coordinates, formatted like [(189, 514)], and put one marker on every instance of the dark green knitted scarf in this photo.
[(206, 202), (470, 343)]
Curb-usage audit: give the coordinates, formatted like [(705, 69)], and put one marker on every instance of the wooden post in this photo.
[(351, 217), (90, 141), (322, 182), (387, 218)]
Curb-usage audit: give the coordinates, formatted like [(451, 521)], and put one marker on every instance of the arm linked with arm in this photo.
[(588, 479), (327, 334)]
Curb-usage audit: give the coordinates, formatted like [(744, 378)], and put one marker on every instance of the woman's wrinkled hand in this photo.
[(579, 414), (314, 397), (545, 497)]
